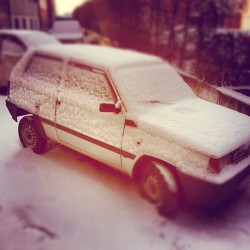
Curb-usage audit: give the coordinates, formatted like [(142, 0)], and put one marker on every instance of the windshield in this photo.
[(141, 86)]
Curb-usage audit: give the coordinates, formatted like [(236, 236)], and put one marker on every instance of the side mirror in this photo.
[(109, 107)]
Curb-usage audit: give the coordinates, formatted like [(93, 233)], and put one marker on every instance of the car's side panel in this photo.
[(35, 90), (79, 122), (49, 128), (91, 147), (140, 143)]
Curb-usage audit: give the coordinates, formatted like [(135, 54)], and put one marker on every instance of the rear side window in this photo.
[(12, 47), (89, 82), (44, 69)]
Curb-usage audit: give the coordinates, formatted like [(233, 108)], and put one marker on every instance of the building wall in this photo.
[(245, 23), (213, 94), (47, 14), (24, 14), (4, 17)]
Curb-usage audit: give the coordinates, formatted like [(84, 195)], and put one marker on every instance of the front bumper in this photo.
[(209, 195), (14, 110)]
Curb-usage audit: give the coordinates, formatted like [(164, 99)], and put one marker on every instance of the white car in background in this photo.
[(13, 44), (133, 112), (67, 31)]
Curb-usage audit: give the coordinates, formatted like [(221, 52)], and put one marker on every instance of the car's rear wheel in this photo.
[(30, 136), (158, 185)]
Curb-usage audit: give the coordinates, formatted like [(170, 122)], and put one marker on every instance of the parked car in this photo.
[(67, 31), (133, 112), (13, 44), (91, 37)]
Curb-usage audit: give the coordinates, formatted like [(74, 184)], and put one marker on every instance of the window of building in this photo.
[(24, 23), (35, 24), (31, 24), (16, 23)]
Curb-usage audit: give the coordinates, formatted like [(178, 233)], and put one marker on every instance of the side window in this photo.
[(42, 68), (12, 47), (89, 82)]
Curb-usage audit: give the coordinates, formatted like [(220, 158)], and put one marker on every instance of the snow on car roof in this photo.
[(17, 32), (31, 38), (101, 56)]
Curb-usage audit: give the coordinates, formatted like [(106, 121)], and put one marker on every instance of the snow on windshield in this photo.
[(150, 84)]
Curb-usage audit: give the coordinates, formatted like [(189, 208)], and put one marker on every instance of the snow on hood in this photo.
[(204, 127)]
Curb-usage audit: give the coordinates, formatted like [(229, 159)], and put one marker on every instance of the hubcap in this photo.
[(152, 188), (29, 136)]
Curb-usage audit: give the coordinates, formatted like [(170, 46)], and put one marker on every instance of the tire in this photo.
[(158, 185), (30, 136)]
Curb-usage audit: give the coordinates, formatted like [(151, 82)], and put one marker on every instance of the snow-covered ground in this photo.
[(64, 200)]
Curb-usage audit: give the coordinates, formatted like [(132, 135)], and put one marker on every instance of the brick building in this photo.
[(27, 14)]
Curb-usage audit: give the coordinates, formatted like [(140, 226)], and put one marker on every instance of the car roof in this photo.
[(30, 38), (19, 32), (101, 56)]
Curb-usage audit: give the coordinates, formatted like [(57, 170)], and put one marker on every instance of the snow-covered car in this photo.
[(14, 43), (67, 31), (133, 112)]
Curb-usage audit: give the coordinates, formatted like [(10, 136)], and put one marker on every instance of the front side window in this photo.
[(89, 82), (44, 69)]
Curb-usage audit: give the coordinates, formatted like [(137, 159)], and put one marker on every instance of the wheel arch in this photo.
[(146, 158), (39, 125), (15, 111), (29, 134)]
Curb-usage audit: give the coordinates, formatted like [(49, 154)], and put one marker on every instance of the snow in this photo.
[(198, 125), (101, 56), (39, 38), (236, 95), (144, 85), (39, 97), (80, 81), (64, 200), (31, 38)]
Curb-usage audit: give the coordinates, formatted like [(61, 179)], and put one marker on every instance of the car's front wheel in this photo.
[(30, 136), (158, 185)]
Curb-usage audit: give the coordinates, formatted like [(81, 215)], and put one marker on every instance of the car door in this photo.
[(11, 51), (80, 124), (38, 89)]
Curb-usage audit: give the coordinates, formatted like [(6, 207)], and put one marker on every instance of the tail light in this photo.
[(214, 165)]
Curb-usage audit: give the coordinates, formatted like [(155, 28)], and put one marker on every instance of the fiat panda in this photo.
[(133, 112)]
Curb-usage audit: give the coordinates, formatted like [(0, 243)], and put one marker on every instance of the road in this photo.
[(62, 200)]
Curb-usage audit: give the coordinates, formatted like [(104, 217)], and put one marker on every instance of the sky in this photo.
[(67, 6)]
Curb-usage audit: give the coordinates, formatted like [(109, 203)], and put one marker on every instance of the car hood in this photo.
[(199, 125)]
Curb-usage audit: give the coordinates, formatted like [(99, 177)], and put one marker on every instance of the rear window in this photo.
[(44, 69), (11, 47)]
